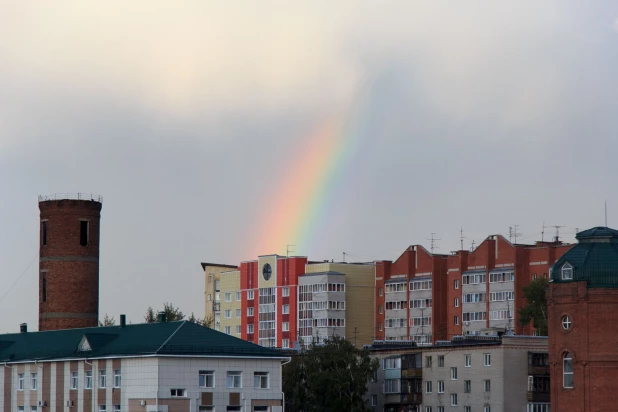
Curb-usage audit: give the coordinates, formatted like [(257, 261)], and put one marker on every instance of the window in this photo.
[(474, 297), (428, 361), (228, 330), (228, 313), (456, 283), (238, 298), (456, 302), (391, 363), (467, 408), (83, 232), (249, 311), (177, 393), (380, 326), (102, 408), (440, 361), (487, 359), (20, 409), (380, 292), (474, 316), (238, 329), (440, 386), (508, 276), (250, 295), (116, 408), (88, 379), (44, 233), (456, 320), (74, 380), (228, 296), (566, 322), (427, 408), (567, 271), (285, 326), (117, 378), (487, 385), (467, 360), (453, 399), (285, 343), (34, 409), (260, 380), (534, 276), (473, 279), (428, 387), (538, 407), (440, 408), (102, 378), (486, 409), (44, 289), (285, 292), (391, 386), (567, 370), (374, 400), (419, 285), (21, 381), (285, 309), (250, 328), (238, 312), (207, 379), (467, 386), (380, 309), (34, 381), (234, 380), (453, 374)]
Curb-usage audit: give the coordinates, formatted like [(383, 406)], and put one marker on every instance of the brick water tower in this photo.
[(69, 261)]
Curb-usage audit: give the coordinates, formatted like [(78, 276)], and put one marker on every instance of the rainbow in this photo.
[(301, 201)]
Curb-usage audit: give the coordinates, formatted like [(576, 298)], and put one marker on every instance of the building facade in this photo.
[(167, 367), (212, 289), (69, 261), (582, 324), (469, 373)]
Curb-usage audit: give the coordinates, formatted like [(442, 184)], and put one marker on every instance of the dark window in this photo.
[(43, 233), (44, 290), (83, 233)]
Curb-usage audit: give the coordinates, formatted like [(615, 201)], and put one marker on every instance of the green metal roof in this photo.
[(594, 259), (166, 338)]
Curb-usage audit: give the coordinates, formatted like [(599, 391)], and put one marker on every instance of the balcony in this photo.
[(538, 370), (411, 373), (412, 398), (538, 396)]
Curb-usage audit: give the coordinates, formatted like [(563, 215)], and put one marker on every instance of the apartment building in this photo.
[(166, 366), (212, 290), (469, 373), (411, 297)]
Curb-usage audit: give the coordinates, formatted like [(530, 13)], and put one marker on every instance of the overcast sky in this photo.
[(184, 116)]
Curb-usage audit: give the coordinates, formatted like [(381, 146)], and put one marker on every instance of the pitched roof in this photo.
[(594, 259), (166, 338)]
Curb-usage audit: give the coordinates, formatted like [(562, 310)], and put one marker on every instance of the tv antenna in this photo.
[(433, 241), (557, 227), (290, 248), (513, 233), (461, 237)]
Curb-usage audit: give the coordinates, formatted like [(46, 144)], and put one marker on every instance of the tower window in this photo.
[(83, 232), (567, 272), (567, 371), (44, 289), (44, 233)]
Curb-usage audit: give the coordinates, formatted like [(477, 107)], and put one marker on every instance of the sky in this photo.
[(218, 131)]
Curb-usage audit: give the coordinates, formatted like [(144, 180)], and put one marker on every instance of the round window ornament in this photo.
[(267, 271), (566, 322)]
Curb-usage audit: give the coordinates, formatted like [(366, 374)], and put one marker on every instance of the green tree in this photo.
[(203, 322), (172, 313), (329, 377), (535, 310), (107, 321)]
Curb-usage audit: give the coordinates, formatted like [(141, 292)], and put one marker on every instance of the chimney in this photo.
[(161, 317), (123, 321), (23, 328)]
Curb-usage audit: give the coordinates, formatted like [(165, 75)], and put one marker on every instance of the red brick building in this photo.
[(69, 261), (583, 324)]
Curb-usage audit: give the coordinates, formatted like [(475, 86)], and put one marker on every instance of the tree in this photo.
[(328, 377), (171, 313), (535, 310), (107, 321), (203, 322)]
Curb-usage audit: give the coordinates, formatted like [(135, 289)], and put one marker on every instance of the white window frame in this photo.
[(238, 329), (486, 408), (453, 373), (21, 381), (178, 393), (566, 271), (487, 359), (456, 282), (566, 322), (285, 309), (428, 387), (238, 313), (34, 381), (74, 380), (88, 379), (285, 343), (440, 386), (227, 313), (117, 378), (487, 385), (456, 302), (285, 292), (203, 378), (374, 400), (567, 359), (232, 379), (102, 378), (228, 296), (285, 326), (250, 328), (259, 378), (228, 330), (250, 311), (453, 399), (250, 295), (238, 296), (467, 360)]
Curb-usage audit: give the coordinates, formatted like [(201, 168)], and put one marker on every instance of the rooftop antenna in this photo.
[(343, 257), (543, 233), (461, 238), (605, 212), (472, 247), (557, 238), (290, 248), (433, 242), (513, 233)]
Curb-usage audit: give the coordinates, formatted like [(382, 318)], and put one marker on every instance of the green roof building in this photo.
[(164, 366)]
